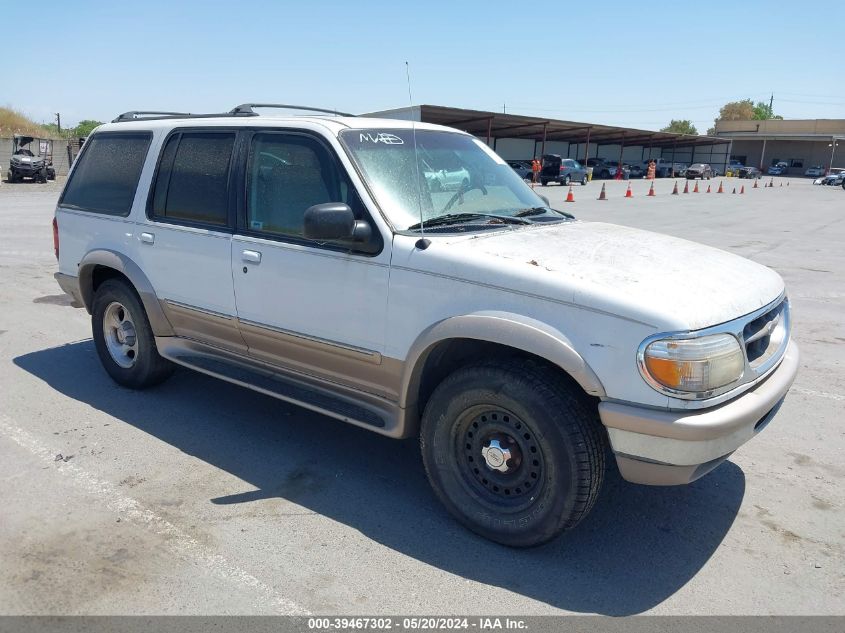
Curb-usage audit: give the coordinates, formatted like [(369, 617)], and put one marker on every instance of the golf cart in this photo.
[(26, 164)]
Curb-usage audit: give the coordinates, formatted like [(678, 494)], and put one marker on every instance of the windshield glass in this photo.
[(449, 173)]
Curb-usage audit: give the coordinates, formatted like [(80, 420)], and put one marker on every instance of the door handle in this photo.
[(148, 238), (253, 257)]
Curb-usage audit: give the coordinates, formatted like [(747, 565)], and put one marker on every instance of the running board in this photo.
[(359, 409)]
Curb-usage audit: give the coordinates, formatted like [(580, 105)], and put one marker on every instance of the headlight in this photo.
[(692, 366)]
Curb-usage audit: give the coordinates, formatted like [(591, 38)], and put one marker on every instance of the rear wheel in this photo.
[(544, 182), (124, 339), (512, 451)]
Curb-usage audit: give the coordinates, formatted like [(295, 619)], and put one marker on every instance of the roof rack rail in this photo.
[(246, 109), (134, 115)]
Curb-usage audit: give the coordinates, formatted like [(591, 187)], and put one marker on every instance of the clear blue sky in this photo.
[(599, 61)]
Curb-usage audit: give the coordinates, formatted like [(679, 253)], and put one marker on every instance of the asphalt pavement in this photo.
[(199, 497)]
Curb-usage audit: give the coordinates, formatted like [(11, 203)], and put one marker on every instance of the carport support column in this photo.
[(489, 130), (763, 155), (543, 150), (672, 168), (621, 150), (587, 148)]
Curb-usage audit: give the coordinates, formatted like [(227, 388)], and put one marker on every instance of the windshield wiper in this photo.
[(458, 218), (540, 211)]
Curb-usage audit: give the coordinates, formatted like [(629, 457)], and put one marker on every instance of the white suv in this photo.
[(311, 258)]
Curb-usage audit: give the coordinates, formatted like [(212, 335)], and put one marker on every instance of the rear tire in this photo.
[(124, 339), (534, 425)]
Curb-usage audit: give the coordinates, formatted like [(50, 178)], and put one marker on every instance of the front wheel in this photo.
[(584, 181), (513, 451), (124, 339), (567, 180)]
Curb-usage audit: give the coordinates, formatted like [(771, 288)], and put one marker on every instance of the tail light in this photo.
[(56, 236)]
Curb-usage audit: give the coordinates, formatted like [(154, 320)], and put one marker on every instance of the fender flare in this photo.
[(129, 269), (529, 335)]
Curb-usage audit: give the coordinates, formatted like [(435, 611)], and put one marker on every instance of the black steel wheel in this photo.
[(513, 450)]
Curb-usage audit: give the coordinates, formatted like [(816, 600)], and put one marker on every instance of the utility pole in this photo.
[(504, 109), (771, 103), (59, 121)]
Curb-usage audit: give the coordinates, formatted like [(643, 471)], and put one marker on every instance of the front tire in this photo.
[(567, 180), (513, 451), (124, 339), (584, 181)]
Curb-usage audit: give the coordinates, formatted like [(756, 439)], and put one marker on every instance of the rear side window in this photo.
[(192, 183), (107, 175)]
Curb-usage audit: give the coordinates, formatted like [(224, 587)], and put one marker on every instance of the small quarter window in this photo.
[(107, 175), (192, 184)]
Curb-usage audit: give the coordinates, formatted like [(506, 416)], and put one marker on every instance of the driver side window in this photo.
[(287, 174)]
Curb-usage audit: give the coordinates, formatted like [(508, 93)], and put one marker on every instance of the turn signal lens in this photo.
[(695, 365)]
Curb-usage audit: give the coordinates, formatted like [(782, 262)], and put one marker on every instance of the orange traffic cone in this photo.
[(695, 189), (771, 182), (651, 190), (602, 195), (708, 188), (686, 186), (628, 193), (755, 184), (742, 189), (675, 190), (570, 197), (720, 190)]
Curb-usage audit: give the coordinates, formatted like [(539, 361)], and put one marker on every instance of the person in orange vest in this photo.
[(652, 170), (535, 169)]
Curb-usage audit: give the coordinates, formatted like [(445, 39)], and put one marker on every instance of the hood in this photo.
[(664, 281), (17, 158)]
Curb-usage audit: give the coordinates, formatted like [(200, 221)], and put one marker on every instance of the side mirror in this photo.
[(334, 221)]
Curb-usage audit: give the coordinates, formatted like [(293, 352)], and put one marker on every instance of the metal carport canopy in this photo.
[(502, 125)]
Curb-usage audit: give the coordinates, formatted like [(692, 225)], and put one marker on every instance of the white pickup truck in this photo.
[(311, 259)]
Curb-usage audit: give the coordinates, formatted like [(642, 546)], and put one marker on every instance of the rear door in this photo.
[(185, 247)]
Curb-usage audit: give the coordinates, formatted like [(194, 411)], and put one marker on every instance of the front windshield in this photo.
[(447, 174)]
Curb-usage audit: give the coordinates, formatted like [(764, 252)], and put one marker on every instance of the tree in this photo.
[(84, 128), (763, 111), (682, 126), (745, 110), (737, 111)]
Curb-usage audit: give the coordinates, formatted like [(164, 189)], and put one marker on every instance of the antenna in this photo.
[(416, 156)]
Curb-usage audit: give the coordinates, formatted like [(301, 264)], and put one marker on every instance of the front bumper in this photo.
[(27, 169), (665, 448)]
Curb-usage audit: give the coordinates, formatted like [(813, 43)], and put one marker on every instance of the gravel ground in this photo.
[(202, 498)]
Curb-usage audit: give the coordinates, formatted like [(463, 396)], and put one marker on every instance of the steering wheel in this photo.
[(474, 183)]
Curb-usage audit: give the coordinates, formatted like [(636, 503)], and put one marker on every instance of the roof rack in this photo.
[(134, 115), (246, 109)]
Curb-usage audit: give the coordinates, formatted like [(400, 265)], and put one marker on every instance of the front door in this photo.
[(314, 308)]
